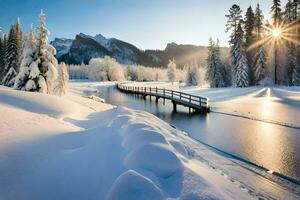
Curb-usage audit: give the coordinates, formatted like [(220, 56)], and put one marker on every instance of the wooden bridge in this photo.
[(194, 103)]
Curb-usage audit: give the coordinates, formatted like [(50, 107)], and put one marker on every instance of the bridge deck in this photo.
[(192, 101)]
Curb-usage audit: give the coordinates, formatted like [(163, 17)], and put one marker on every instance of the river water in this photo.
[(271, 146)]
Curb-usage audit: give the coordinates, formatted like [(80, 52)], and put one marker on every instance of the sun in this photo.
[(276, 33)]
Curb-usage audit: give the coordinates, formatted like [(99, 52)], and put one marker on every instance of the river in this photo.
[(274, 147)]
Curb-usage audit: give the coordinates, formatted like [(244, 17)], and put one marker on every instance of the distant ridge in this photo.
[(84, 47)]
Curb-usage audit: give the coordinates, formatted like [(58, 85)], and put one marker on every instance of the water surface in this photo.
[(268, 145)]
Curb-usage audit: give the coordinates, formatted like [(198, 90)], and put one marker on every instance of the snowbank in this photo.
[(79, 148)]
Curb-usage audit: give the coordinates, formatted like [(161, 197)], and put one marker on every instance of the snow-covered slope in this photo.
[(77, 148)]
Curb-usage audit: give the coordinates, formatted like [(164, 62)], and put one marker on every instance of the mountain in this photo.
[(85, 47)]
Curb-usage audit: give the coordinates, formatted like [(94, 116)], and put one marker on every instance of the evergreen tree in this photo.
[(45, 70), (276, 12), (9, 78), (249, 24), (29, 57), (214, 73), (260, 65), (290, 16), (2, 56), (239, 60), (234, 17), (296, 76), (11, 57), (18, 42), (193, 76), (258, 23)]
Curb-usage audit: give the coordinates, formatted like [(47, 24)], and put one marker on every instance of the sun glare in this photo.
[(276, 33)]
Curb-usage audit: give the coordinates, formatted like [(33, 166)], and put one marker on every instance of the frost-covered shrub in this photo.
[(141, 73), (171, 71), (105, 69)]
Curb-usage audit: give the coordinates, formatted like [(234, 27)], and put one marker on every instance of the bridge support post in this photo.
[(156, 100), (174, 106)]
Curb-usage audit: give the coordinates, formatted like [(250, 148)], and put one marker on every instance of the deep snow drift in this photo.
[(78, 148)]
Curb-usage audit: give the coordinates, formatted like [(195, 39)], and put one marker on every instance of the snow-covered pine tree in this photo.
[(171, 73), (296, 75), (193, 76), (214, 73), (23, 80), (290, 16), (44, 72), (9, 78), (260, 65), (61, 81), (11, 57), (240, 64), (242, 69)]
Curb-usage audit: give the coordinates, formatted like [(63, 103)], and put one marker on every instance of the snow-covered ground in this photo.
[(75, 147)]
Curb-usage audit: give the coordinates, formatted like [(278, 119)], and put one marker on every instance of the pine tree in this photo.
[(18, 42), (258, 23), (29, 57), (9, 78), (11, 57), (290, 16), (239, 60), (45, 72), (193, 76), (249, 24), (260, 65), (3, 57), (234, 17), (276, 12), (214, 73)]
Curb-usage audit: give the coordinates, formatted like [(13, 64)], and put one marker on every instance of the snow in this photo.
[(78, 148), (134, 186)]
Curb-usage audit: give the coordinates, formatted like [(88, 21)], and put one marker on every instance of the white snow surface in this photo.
[(77, 148)]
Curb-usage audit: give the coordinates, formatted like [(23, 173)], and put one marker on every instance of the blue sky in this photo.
[(148, 24)]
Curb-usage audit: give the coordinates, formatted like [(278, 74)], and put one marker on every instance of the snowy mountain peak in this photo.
[(102, 40)]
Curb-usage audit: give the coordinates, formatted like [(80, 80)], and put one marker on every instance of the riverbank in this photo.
[(77, 148)]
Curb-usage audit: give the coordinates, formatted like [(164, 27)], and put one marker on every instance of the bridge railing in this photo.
[(184, 98)]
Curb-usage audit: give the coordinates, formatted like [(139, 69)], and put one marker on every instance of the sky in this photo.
[(148, 24)]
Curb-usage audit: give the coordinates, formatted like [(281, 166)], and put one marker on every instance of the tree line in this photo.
[(260, 51)]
